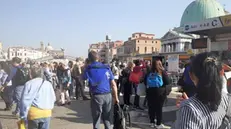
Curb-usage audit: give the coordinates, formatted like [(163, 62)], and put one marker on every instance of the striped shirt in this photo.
[(193, 114)]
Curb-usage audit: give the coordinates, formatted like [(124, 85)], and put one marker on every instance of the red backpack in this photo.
[(135, 77)]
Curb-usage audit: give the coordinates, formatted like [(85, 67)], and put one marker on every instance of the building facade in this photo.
[(177, 41), (174, 41), (107, 51), (25, 53), (142, 43)]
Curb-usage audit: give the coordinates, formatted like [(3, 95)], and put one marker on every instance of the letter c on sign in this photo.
[(214, 23)]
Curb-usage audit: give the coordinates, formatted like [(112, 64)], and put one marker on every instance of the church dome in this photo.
[(200, 10), (49, 47)]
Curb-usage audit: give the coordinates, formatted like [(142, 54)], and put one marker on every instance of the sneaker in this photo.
[(161, 126), (152, 125)]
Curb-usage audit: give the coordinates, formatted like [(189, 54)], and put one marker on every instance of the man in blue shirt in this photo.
[(101, 82)]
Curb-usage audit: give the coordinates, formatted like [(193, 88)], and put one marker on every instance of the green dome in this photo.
[(200, 10)]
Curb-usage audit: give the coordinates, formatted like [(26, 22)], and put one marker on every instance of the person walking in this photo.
[(65, 82), (126, 84), (101, 81), (6, 91), (19, 76), (37, 100), (77, 75)]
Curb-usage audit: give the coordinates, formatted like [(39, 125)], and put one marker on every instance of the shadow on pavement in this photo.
[(7, 117), (80, 112)]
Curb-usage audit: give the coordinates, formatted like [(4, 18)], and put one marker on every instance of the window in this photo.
[(156, 49), (145, 41), (145, 49), (138, 49), (152, 41), (138, 41), (20, 54), (156, 42), (24, 54), (12, 54), (152, 49)]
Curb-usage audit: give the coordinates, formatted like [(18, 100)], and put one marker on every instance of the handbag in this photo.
[(141, 89)]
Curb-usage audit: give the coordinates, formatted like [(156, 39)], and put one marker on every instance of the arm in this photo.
[(187, 119), (69, 76), (28, 95), (114, 91), (11, 75), (114, 88)]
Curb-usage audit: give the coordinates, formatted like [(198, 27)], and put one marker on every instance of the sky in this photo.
[(74, 24)]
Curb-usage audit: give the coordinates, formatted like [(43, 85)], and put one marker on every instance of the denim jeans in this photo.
[(42, 123), (101, 108), (17, 97)]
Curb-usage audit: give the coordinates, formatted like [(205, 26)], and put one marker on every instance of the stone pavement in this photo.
[(78, 116)]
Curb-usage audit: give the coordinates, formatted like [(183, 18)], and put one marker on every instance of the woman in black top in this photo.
[(156, 96)]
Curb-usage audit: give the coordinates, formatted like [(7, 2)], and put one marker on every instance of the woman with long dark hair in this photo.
[(156, 80), (207, 108)]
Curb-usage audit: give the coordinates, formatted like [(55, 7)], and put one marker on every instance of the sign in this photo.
[(226, 20), (199, 43), (204, 25), (190, 52), (173, 63)]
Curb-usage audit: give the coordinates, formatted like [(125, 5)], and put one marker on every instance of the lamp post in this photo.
[(108, 40)]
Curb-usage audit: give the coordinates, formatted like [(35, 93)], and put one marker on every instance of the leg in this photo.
[(159, 108), (67, 96), (137, 98), (107, 111), (77, 83), (33, 124), (45, 124), (159, 105), (62, 95), (18, 94), (151, 106), (96, 110), (81, 87)]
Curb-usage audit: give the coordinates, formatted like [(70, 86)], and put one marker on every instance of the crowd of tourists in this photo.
[(203, 104)]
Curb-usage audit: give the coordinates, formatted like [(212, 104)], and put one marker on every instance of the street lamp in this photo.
[(108, 40)]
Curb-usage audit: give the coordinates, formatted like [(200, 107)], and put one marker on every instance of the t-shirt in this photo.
[(99, 77)]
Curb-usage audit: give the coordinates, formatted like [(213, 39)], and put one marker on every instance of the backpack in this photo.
[(94, 75), (75, 72), (22, 76), (154, 80), (226, 122), (119, 118), (135, 77)]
